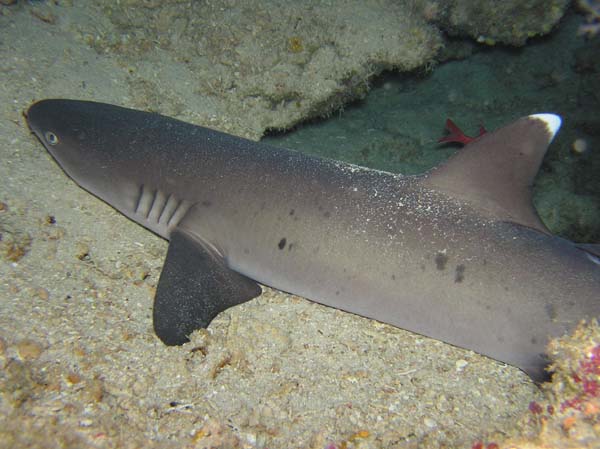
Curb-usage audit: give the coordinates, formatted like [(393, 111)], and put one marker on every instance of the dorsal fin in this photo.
[(495, 172)]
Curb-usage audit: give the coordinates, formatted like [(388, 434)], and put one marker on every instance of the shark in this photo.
[(458, 254)]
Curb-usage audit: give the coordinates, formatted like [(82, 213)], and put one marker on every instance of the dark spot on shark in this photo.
[(246, 251), (440, 261), (290, 246), (281, 243), (337, 293), (327, 214), (292, 212), (206, 203), (393, 277), (551, 311), (533, 341), (459, 276)]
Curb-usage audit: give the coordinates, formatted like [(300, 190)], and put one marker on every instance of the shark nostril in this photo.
[(51, 138)]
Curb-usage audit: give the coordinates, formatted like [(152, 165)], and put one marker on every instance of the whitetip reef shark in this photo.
[(458, 254)]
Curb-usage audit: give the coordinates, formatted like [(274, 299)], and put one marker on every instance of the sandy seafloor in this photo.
[(82, 367)]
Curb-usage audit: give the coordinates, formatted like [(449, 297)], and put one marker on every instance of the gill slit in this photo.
[(152, 204), (175, 211), (139, 199), (164, 207)]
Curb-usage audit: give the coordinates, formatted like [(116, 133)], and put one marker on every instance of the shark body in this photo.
[(458, 254)]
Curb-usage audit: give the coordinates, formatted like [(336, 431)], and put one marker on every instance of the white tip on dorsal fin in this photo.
[(552, 122), (495, 172)]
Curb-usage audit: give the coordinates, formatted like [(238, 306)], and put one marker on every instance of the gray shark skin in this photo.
[(458, 254)]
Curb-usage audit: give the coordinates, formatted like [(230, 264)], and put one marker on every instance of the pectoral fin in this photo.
[(195, 286)]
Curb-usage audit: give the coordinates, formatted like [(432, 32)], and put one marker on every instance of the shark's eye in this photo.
[(51, 138)]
